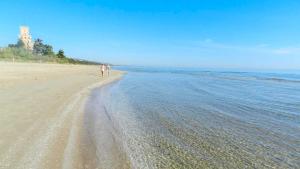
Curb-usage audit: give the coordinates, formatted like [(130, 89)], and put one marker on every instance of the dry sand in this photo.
[(41, 111)]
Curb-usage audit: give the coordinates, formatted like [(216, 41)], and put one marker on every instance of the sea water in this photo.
[(192, 118)]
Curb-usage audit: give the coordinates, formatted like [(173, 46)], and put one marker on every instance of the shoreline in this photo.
[(102, 135), (83, 157), (42, 105), (77, 150)]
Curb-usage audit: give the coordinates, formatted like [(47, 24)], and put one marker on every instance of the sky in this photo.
[(250, 34)]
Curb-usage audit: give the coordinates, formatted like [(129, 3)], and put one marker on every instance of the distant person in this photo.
[(102, 69), (108, 69)]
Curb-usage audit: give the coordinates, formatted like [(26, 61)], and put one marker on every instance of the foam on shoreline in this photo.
[(101, 134), (77, 149)]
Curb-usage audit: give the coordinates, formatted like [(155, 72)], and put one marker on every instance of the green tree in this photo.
[(61, 54), (12, 45), (42, 49), (38, 46), (48, 50), (20, 44)]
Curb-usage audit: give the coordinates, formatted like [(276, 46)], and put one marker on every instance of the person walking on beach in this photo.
[(108, 69), (102, 69)]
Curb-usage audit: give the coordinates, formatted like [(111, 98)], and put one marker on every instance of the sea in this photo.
[(190, 118)]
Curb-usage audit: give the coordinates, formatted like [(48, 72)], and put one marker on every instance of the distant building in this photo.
[(25, 37)]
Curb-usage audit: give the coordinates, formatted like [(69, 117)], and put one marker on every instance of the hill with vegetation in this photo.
[(41, 53)]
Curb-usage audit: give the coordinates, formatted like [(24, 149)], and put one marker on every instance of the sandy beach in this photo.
[(41, 113)]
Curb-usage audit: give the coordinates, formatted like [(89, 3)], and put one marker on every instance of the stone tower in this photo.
[(25, 37)]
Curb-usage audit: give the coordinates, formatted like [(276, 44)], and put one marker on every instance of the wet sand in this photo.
[(41, 114)]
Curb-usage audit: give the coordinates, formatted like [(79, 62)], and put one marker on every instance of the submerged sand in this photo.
[(41, 112)]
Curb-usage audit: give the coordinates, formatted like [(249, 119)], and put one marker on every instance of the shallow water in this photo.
[(188, 118)]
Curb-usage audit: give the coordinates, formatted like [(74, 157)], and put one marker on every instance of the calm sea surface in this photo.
[(189, 118)]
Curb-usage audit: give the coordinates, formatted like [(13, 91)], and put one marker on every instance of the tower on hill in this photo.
[(25, 37)]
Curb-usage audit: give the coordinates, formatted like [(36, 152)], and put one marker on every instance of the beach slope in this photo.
[(41, 111)]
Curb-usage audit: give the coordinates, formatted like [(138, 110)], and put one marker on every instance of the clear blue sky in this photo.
[(261, 34)]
